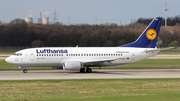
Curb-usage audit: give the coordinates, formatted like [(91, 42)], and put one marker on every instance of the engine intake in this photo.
[(72, 65)]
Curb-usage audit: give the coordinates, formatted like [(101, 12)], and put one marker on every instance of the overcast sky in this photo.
[(87, 11)]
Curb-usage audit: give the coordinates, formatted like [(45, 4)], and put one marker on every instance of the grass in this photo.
[(91, 90), (172, 51), (6, 66), (7, 51), (154, 64)]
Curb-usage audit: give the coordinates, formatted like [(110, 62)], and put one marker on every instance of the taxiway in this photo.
[(96, 74)]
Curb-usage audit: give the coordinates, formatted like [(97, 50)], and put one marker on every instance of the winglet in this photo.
[(149, 36)]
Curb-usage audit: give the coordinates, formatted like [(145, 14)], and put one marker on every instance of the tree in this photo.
[(18, 24), (174, 43), (121, 42), (18, 33), (108, 43), (37, 43)]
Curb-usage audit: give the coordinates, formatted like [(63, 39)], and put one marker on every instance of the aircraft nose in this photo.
[(8, 60)]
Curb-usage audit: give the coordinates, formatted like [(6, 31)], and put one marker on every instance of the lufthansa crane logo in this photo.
[(151, 34)]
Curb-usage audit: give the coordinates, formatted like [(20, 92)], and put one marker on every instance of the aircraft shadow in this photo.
[(116, 72)]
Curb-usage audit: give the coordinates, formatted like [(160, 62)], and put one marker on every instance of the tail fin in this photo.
[(149, 36)]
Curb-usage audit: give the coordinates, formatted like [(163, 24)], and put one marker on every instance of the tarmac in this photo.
[(96, 74)]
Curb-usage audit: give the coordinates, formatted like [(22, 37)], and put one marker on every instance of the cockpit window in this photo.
[(17, 54)]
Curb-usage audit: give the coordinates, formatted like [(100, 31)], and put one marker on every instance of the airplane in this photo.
[(82, 58)]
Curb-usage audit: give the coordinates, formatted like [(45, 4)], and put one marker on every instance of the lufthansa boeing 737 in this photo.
[(82, 58)]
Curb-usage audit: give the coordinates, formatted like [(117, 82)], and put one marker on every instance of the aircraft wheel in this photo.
[(88, 70), (82, 70), (24, 70)]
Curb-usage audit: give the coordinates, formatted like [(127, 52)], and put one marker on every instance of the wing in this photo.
[(98, 62), (168, 48), (158, 49)]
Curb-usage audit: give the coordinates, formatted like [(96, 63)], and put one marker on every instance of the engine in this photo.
[(72, 65)]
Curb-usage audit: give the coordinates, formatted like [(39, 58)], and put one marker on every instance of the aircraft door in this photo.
[(132, 55), (31, 55)]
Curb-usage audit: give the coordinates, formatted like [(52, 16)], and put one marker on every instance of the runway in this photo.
[(96, 74)]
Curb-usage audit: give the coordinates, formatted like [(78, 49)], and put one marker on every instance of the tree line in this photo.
[(171, 21), (20, 34)]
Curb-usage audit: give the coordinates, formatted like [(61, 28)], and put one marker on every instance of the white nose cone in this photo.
[(8, 60)]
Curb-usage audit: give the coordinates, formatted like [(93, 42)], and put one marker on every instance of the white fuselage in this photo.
[(90, 56)]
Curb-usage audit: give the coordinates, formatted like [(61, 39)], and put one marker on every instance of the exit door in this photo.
[(31, 55), (132, 55)]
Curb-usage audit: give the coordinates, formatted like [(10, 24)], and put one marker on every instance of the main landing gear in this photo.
[(24, 70), (88, 70)]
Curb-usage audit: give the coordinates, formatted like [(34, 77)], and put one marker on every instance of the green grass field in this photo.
[(7, 51), (91, 90), (154, 64), (172, 51)]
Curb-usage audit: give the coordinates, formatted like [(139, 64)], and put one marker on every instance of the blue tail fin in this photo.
[(149, 37)]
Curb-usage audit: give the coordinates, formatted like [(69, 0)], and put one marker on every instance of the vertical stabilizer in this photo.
[(149, 36)]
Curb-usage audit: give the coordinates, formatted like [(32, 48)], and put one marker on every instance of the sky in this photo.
[(87, 11)]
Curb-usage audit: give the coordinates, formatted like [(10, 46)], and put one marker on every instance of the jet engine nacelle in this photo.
[(72, 65)]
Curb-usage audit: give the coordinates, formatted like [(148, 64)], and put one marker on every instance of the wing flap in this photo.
[(98, 61)]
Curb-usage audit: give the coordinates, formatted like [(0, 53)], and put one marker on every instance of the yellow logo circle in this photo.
[(151, 34)]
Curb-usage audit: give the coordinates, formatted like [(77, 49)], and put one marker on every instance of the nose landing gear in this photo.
[(24, 69)]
